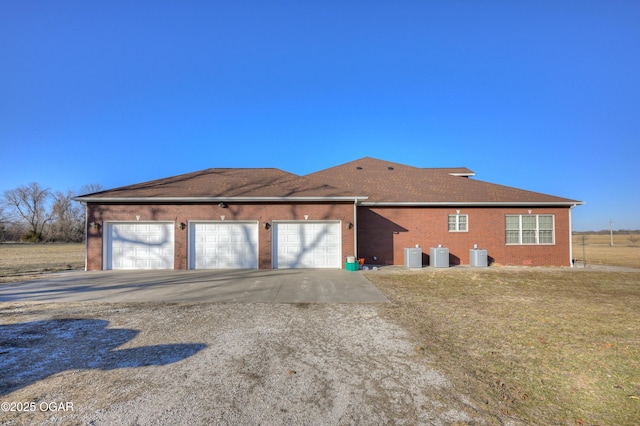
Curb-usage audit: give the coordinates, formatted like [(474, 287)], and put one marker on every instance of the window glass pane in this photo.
[(512, 222), (452, 222), (546, 237), (512, 229), (462, 222), (528, 237), (545, 222), (529, 222), (513, 237)]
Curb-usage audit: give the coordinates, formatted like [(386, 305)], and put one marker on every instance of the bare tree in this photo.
[(29, 203), (68, 218), (583, 239), (3, 223), (633, 239), (90, 188)]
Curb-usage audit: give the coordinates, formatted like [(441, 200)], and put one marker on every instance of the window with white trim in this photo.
[(458, 223), (529, 229)]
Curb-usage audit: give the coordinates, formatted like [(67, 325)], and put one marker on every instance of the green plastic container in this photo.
[(352, 266)]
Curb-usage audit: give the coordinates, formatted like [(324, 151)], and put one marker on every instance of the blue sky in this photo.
[(537, 95)]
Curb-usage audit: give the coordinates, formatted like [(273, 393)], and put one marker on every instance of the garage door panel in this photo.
[(139, 246), (307, 245), (229, 245)]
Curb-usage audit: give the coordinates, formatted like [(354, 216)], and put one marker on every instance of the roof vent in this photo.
[(358, 168), (390, 168)]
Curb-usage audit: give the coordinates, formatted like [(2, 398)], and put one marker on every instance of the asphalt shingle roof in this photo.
[(225, 183), (378, 180), (384, 181)]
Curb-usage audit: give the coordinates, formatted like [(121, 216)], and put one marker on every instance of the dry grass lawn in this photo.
[(26, 261), (598, 250), (543, 346)]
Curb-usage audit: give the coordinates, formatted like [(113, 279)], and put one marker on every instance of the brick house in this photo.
[(368, 208)]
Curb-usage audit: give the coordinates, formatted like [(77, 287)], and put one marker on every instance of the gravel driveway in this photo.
[(213, 363)]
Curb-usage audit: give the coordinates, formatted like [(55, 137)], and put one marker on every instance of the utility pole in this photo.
[(611, 231)]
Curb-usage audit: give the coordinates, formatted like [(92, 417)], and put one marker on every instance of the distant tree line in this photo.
[(32, 213), (607, 232), (632, 235)]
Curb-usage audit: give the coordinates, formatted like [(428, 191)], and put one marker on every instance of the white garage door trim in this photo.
[(223, 244), (307, 244), (138, 245)]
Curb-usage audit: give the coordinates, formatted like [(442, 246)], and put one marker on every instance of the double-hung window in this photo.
[(529, 229), (458, 223)]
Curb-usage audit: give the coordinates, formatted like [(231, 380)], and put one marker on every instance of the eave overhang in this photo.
[(205, 200), (359, 200), (471, 203)]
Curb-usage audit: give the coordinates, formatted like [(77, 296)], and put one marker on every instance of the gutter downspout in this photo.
[(571, 236), (86, 236), (355, 228)]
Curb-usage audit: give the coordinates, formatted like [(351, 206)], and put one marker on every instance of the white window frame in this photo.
[(533, 234), (457, 222)]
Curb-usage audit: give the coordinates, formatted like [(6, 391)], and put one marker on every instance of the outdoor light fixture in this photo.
[(223, 205), (266, 225), (349, 225), (181, 225), (95, 225)]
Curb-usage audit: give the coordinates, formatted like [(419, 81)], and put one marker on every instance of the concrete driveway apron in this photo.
[(242, 286)]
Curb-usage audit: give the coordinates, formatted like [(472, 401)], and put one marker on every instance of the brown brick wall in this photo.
[(382, 232), (189, 212), (385, 232)]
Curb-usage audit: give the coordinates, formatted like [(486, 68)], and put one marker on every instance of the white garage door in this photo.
[(223, 245), (139, 245), (307, 245)]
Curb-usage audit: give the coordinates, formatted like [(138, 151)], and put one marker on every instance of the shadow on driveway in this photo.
[(33, 351), (243, 286)]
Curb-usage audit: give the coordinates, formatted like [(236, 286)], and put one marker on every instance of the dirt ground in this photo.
[(202, 364)]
